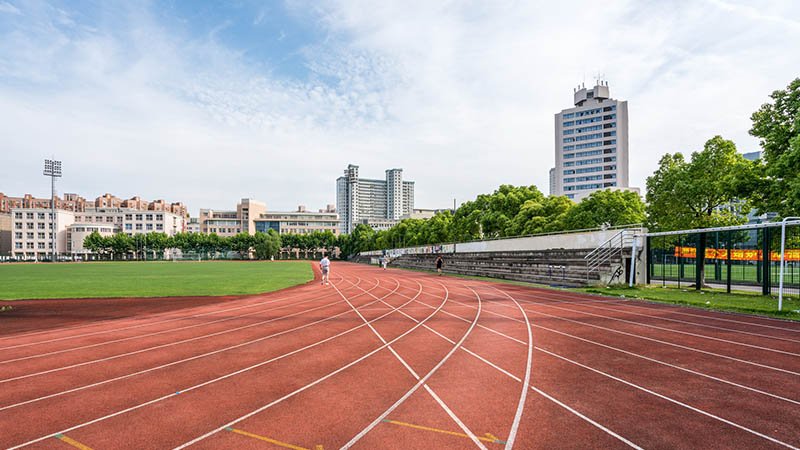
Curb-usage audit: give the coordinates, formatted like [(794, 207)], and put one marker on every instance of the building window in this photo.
[(569, 140), (128, 216), (29, 235), (18, 225), (109, 219), (128, 226), (138, 217), (569, 131), (138, 226), (569, 155), (18, 215), (18, 235), (149, 226), (41, 225), (41, 245), (40, 235), (40, 216), (18, 245), (159, 217), (159, 227), (29, 245), (29, 215), (569, 180), (149, 217), (568, 115), (569, 124)]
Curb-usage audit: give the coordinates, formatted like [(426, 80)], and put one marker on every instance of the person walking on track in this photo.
[(439, 263), (325, 265)]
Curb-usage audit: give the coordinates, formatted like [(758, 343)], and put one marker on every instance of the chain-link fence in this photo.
[(735, 258)]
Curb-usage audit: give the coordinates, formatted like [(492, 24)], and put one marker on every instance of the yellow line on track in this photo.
[(489, 437), (272, 441), (72, 442)]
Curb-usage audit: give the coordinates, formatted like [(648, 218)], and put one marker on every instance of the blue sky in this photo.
[(209, 102)]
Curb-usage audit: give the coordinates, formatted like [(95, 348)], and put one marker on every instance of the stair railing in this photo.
[(612, 248)]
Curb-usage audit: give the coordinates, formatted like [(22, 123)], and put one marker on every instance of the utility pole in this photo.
[(52, 169)]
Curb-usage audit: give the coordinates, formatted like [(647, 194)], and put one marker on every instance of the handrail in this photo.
[(613, 246)]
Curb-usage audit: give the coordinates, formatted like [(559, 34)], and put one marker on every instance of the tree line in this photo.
[(260, 245)]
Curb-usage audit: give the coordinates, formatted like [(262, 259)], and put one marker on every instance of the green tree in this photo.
[(777, 124), (121, 243), (241, 243), (94, 242), (607, 207), (701, 193)]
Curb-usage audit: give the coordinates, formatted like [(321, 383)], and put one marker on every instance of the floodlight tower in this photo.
[(52, 169)]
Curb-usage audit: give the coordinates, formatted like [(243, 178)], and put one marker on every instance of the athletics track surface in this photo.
[(397, 359)]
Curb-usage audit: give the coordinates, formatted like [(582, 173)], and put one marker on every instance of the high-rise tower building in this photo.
[(591, 144), (377, 203)]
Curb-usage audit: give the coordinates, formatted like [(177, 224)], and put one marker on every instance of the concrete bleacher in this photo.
[(557, 267)]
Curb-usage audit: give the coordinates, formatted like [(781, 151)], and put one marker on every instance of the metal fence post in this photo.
[(649, 259), (765, 281), (728, 263)]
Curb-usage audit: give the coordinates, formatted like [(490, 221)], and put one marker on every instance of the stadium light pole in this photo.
[(52, 169), (783, 244)]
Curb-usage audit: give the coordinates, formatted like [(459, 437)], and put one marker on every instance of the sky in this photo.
[(207, 103)]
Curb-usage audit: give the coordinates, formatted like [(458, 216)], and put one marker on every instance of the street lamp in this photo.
[(52, 169)]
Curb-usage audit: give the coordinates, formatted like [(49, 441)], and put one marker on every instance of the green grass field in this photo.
[(707, 298), (148, 279), (739, 272)]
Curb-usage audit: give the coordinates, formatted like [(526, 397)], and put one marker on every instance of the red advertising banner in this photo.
[(737, 254)]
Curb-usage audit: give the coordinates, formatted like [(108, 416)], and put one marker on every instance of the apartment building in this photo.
[(372, 201), (230, 223), (591, 144), (299, 222), (76, 203)]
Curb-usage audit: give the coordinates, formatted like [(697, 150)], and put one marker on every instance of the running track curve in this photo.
[(398, 359)]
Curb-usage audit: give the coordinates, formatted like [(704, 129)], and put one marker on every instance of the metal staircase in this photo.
[(612, 249)]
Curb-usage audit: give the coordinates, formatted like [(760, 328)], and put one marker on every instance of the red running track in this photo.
[(396, 359)]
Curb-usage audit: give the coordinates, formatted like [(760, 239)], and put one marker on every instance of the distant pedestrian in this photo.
[(439, 263), (384, 262), (325, 265)]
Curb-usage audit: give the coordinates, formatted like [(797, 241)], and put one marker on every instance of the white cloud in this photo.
[(461, 96), (6, 7)]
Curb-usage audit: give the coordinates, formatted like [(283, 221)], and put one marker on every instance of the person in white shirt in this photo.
[(325, 265)]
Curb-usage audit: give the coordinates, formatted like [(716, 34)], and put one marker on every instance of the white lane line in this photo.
[(141, 405), (684, 369), (422, 380), (122, 377), (563, 405), (694, 372), (173, 319), (436, 398), (313, 383), (674, 309), (526, 382), (671, 344), (664, 397), (669, 399), (171, 330), (651, 316), (535, 389), (169, 344), (778, 369)]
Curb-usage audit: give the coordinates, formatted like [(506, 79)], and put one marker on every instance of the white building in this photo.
[(591, 149), (32, 227), (374, 202), (32, 232)]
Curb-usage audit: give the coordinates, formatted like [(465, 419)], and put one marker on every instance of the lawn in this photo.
[(707, 298), (148, 279)]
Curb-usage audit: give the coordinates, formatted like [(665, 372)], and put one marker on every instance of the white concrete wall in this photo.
[(590, 239)]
